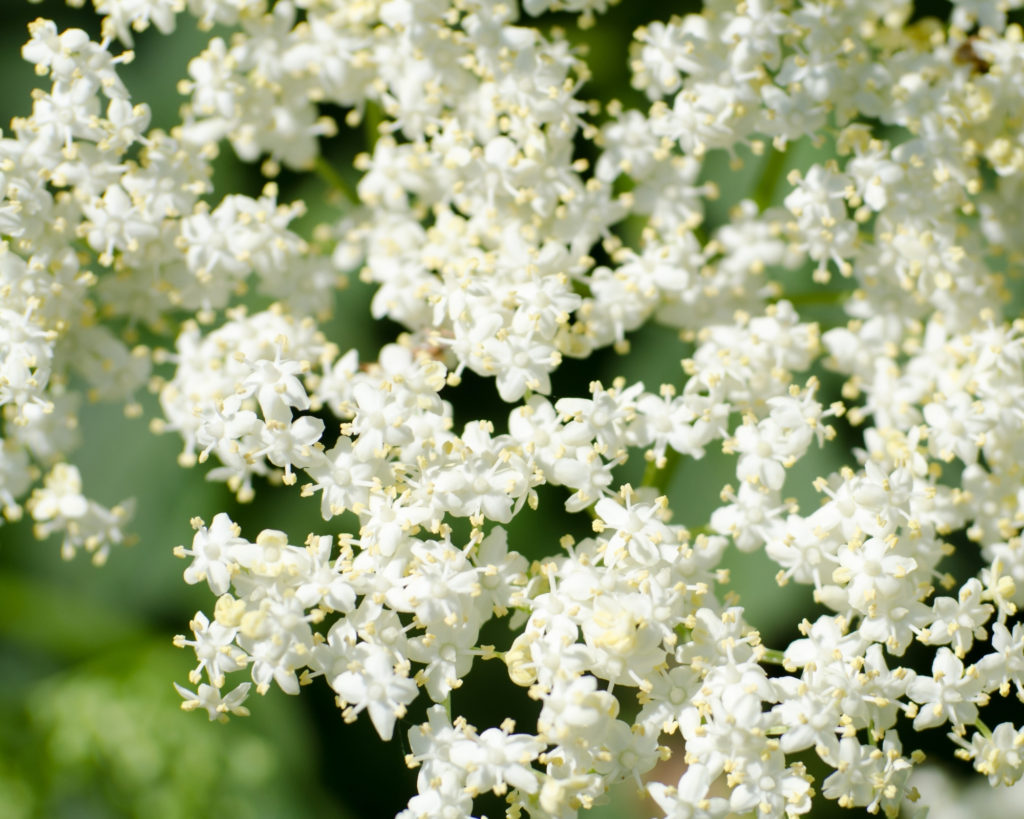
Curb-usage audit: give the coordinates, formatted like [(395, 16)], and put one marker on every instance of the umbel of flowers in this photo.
[(481, 225)]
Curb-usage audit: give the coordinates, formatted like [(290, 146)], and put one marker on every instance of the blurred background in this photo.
[(90, 725)]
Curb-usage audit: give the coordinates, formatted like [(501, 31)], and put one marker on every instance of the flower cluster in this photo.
[(506, 223)]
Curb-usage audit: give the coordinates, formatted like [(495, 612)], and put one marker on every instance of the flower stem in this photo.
[(773, 656), (661, 478), (335, 180), (372, 118), (810, 297)]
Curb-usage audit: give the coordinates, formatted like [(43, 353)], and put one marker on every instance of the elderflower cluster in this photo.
[(506, 223)]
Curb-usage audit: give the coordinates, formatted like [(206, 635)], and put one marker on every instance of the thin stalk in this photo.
[(773, 656), (811, 297), (335, 180), (372, 118), (661, 479)]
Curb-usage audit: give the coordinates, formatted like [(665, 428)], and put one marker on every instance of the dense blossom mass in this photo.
[(507, 222)]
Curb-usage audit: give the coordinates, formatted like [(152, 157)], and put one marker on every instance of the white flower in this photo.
[(998, 755), (374, 684), (951, 693), (214, 650), (688, 798), (1005, 665), (213, 553), (873, 573), (505, 224), (218, 707), (960, 620), (61, 496), (496, 759), (772, 788), (867, 776)]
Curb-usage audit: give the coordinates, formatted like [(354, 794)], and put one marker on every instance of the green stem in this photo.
[(983, 728), (661, 478), (771, 172), (372, 118), (581, 288), (811, 297), (773, 656), (335, 180)]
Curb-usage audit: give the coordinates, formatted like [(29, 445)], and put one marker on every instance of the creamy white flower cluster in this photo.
[(501, 248)]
